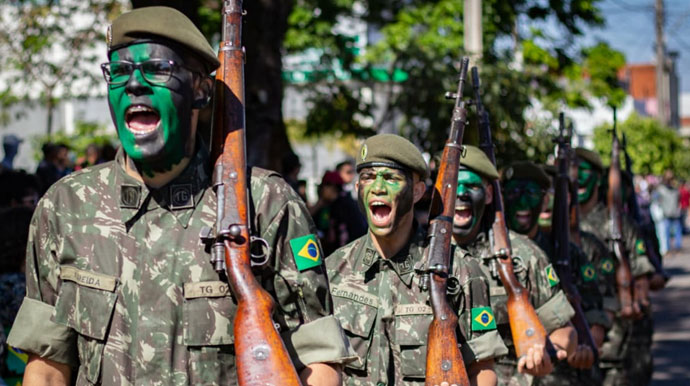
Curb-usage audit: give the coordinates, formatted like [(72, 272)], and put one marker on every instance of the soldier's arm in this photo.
[(44, 372), (311, 333), (482, 373)]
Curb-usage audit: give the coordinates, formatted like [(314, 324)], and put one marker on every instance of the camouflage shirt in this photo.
[(601, 258), (534, 271), (597, 222), (120, 286), (585, 278), (386, 315)]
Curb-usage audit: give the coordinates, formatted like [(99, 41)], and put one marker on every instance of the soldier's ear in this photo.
[(418, 190), (202, 92), (489, 188)]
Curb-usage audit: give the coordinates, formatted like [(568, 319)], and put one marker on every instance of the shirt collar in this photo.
[(403, 263), (180, 197)]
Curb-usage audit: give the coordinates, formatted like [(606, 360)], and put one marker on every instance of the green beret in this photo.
[(160, 22), (476, 160), (526, 170), (590, 156), (392, 151)]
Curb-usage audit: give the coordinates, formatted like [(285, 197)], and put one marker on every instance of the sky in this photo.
[(630, 29)]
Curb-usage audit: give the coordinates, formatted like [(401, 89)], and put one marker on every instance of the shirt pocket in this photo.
[(357, 319), (411, 334), (86, 302), (208, 315)]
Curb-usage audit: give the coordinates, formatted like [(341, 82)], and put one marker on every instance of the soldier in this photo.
[(119, 287), (525, 185), (377, 283), (595, 219), (532, 269)]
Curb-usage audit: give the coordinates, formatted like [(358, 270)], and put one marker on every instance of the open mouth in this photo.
[(463, 215), (141, 119), (546, 215), (380, 213), (523, 217)]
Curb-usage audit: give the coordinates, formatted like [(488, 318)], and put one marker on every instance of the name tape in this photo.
[(413, 309), (88, 279), (355, 295), (206, 289)]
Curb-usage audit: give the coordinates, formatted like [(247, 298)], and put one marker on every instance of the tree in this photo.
[(49, 49), (652, 147)]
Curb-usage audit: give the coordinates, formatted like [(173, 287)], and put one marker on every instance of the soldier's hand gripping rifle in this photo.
[(624, 279), (634, 208), (525, 326), (261, 356), (561, 237), (444, 363)]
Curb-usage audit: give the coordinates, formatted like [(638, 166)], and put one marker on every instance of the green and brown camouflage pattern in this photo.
[(121, 287), (530, 265), (598, 254), (386, 315)]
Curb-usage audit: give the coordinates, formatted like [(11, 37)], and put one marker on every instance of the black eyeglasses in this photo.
[(155, 71)]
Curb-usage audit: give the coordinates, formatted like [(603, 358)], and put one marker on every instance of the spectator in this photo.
[(92, 157), (684, 204), (669, 201), (14, 234), (336, 215), (108, 152), (19, 189), (291, 169), (10, 144), (346, 170)]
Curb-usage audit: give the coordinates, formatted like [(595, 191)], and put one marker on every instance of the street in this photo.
[(672, 323)]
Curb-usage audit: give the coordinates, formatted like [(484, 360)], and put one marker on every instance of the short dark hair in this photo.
[(15, 185), (14, 234), (350, 162)]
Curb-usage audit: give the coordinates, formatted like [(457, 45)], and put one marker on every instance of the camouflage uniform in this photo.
[(120, 286), (585, 277), (536, 274), (386, 315), (617, 346)]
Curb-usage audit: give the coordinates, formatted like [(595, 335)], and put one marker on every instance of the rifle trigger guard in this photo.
[(258, 258)]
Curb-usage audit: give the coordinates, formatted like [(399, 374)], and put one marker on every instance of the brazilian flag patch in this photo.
[(588, 272), (551, 275), (483, 319), (639, 247), (607, 266), (306, 252)]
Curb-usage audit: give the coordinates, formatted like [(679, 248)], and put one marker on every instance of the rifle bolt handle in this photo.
[(235, 230)]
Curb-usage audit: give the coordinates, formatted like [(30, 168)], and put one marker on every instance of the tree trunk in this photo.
[(263, 33)]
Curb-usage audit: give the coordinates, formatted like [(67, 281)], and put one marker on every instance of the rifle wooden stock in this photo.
[(525, 326), (560, 234), (261, 356), (614, 201), (444, 361)]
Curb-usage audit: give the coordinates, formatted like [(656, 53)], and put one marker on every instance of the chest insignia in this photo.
[(551, 275), (483, 319)]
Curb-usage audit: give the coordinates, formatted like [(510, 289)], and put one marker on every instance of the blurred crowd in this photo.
[(20, 191)]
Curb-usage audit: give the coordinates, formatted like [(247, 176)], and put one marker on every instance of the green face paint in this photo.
[(587, 178), (153, 122), (469, 203), (523, 200), (386, 197)]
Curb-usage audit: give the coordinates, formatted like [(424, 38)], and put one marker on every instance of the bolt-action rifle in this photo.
[(261, 356), (525, 326), (560, 234), (634, 208), (444, 361), (614, 200)]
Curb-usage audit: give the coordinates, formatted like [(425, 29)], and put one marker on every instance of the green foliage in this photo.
[(424, 40), (85, 133), (653, 148), (50, 49)]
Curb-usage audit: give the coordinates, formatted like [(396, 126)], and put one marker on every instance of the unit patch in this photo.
[(483, 319), (639, 247), (551, 275), (306, 252), (607, 266), (588, 272)]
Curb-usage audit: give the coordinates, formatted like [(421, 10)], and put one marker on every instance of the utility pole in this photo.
[(662, 79), (472, 20)]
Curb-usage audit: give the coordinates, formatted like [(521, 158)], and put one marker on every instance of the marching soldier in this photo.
[(378, 293), (119, 287), (531, 266), (525, 185)]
